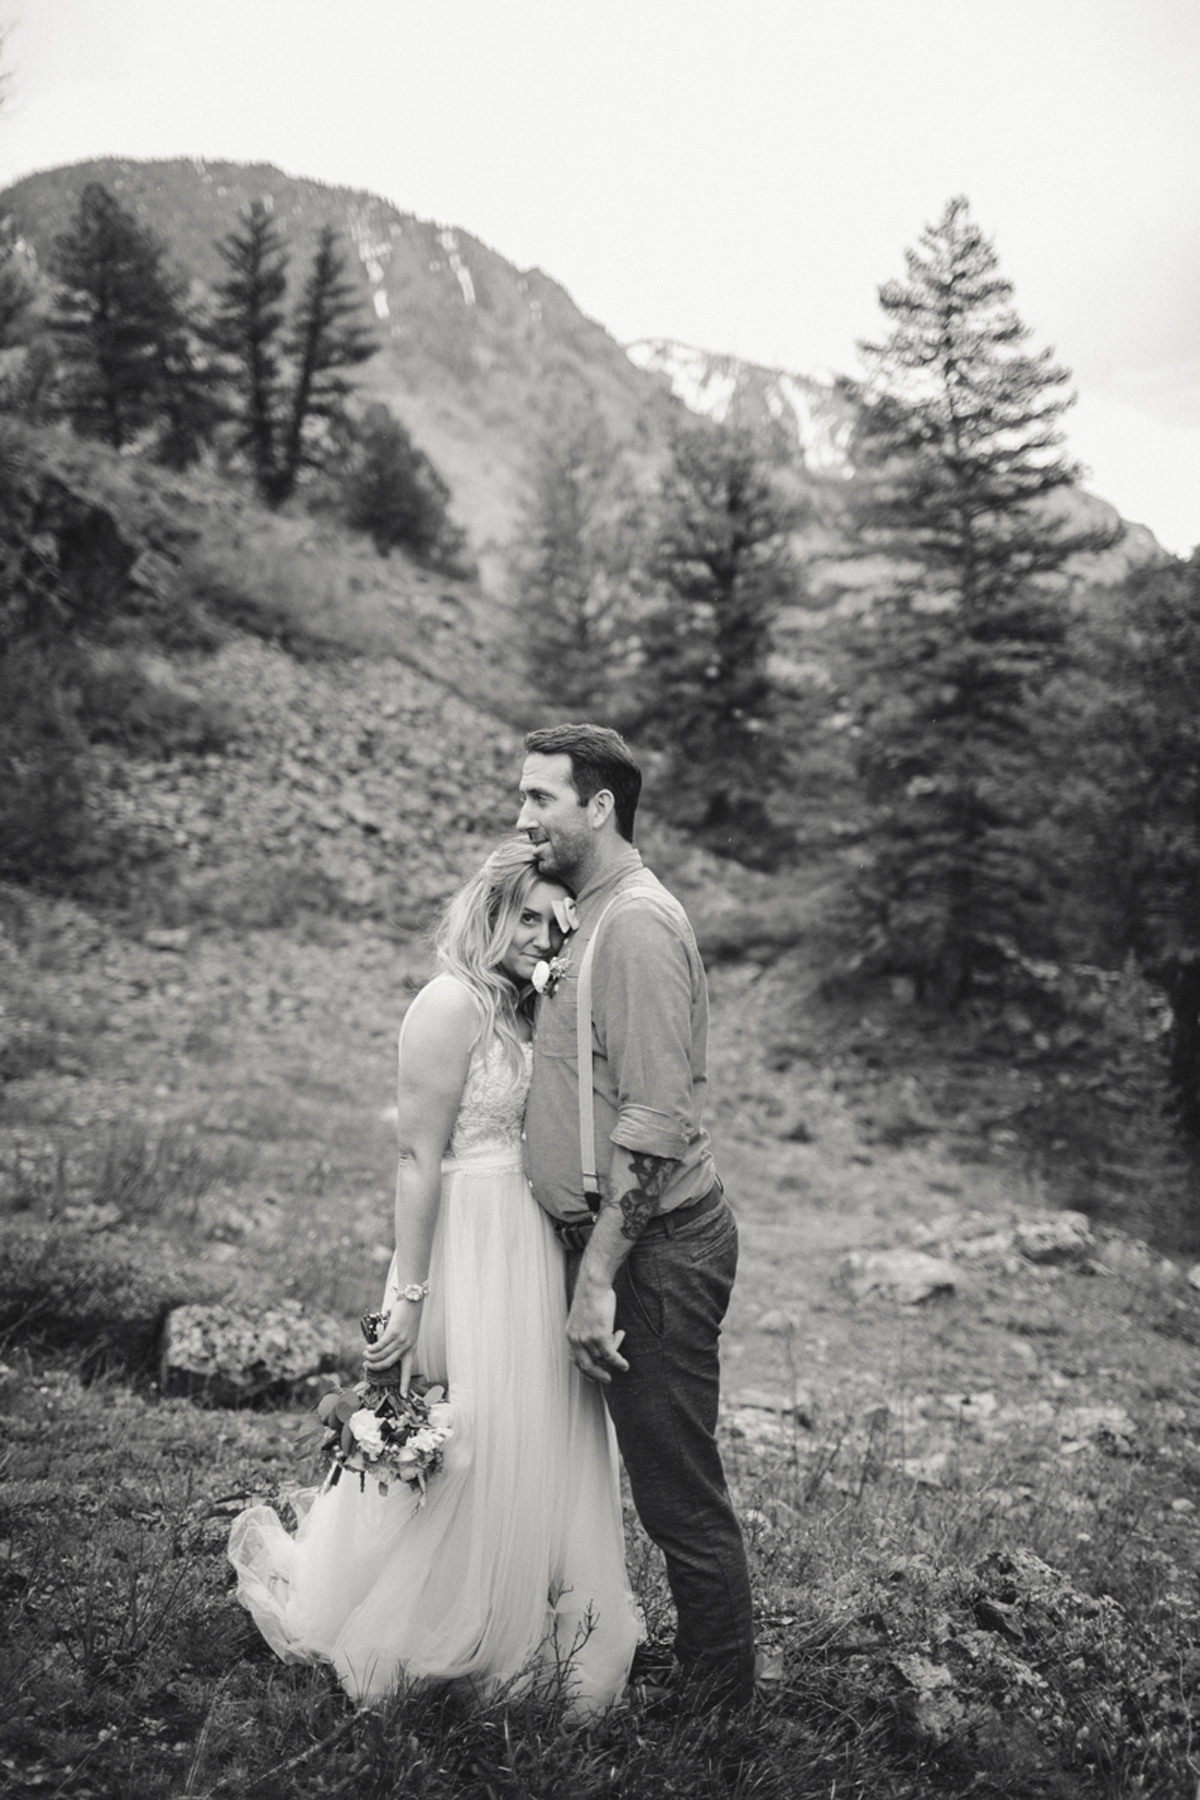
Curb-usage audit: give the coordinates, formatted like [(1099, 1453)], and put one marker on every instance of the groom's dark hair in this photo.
[(600, 758)]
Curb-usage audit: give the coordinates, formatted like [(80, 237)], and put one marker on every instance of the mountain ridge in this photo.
[(478, 357), (476, 354)]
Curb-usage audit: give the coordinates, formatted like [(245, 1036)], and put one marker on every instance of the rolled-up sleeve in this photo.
[(643, 1000)]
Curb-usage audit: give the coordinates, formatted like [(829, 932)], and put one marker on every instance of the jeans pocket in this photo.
[(712, 1238), (639, 1281)]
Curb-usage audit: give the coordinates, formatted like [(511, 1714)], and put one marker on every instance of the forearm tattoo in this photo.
[(639, 1204)]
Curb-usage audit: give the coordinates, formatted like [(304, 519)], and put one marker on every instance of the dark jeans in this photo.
[(672, 1294)]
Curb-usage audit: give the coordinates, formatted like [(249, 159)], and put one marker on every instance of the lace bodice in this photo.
[(492, 1109)]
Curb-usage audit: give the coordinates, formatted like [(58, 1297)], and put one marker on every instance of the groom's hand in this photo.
[(595, 1347)]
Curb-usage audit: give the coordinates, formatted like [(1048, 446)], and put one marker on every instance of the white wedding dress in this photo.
[(513, 1571)]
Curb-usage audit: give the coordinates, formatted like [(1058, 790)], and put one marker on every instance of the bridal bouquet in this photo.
[(374, 1429)]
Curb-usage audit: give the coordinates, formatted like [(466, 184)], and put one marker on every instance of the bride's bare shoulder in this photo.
[(446, 1011)]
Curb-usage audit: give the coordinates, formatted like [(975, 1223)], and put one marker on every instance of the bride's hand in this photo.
[(397, 1342)]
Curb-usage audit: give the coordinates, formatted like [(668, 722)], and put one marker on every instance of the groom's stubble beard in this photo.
[(566, 862)]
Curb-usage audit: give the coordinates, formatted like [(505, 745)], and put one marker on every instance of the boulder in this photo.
[(778, 1323), (226, 1358), (1065, 1237), (1107, 1428), (173, 939), (908, 1276)]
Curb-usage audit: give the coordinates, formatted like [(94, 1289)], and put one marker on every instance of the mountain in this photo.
[(805, 416), (476, 354), (810, 424)]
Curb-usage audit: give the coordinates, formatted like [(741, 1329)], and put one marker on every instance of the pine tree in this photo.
[(573, 566), (285, 381), (1139, 743), (246, 329), (16, 289), (325, 338), (391, 490), (959, 461), (122, 329), (723, 559)]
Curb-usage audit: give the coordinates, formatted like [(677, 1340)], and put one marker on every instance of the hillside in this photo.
[(477, 356), (962, 1427)]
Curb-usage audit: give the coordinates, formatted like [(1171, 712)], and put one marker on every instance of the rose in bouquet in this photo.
[(375, 1429)]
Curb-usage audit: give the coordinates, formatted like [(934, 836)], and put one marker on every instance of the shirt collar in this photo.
[(626, 863)]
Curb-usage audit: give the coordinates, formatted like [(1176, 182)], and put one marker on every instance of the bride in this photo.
[(511, 1575)]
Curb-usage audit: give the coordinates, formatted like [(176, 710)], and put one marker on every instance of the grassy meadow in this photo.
[(973, 1519), (213, 1123)]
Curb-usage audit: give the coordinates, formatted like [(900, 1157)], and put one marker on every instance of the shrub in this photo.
[(267, 894), (392, 492), (147, 1177), (46, 827), (81, 1293), (120, 704)]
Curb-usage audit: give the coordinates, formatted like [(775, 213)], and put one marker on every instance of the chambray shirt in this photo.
[(649, 1048)]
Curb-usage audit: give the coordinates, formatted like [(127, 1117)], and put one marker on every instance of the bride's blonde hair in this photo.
[(475, 931)]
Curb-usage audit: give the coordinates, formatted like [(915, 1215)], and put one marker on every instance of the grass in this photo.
[(912, 1648), (131, 1671)]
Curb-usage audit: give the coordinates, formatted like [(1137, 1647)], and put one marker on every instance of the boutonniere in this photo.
[(565, 915), (547, 975)]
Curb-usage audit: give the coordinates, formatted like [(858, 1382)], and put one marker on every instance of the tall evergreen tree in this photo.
[(1138, 740), (959, 460), (122, 329), (390, 489), (573, 565), (723, 560), (245, 329), (326, 337), (16, 289), (287, 379)]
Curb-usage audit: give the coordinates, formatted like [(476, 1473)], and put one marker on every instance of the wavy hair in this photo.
[(476, 929)]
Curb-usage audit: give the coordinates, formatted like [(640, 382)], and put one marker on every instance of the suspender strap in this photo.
[(583, 1028)]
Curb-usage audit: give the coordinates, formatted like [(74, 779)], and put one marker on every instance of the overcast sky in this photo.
[(738, 174)]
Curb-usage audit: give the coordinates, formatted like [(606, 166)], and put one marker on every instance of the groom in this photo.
[(657, 1245)]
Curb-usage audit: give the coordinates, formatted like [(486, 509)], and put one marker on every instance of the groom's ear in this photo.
[(600, 807)]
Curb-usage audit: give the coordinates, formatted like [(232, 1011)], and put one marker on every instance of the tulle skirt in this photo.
[(512, 1573)]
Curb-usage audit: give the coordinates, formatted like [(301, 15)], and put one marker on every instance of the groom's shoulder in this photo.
[(645, 910)]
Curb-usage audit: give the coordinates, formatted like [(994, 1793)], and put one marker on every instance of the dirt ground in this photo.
[(273, 1053)]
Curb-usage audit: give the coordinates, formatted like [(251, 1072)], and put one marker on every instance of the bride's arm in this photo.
[(435, 1052)]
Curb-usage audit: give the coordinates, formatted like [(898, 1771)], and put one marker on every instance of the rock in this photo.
[(226, 1358), (1193, 1276), (1065, 1237), (778, 1323), (929, 1701), (971, 1409), (927, 1471), (800, 1407), (1108, 1428), (907, 1276), (94, 1217), (356, 809), (175, 940)]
